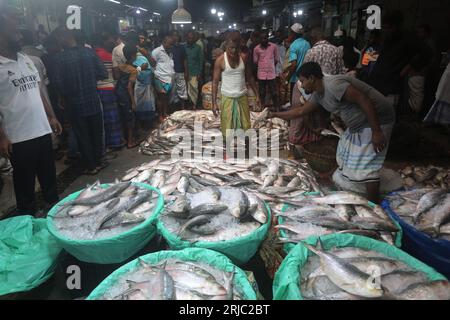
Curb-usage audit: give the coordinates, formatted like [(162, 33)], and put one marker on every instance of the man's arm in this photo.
[(100, 69), (201, 57), (276, 55), (53, 121), (5, 144), (131, 93), (357, 97), (255, 56), (215, 83), (249, 78), (308, 107)]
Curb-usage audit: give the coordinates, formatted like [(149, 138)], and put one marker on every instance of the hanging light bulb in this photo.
[(181, 15)]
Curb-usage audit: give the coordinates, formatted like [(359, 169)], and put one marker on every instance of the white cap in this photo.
[(297, 28)]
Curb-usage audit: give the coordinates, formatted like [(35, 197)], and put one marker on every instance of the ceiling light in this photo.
[(181, 15)]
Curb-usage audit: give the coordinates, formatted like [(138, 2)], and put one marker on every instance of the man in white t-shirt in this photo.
[(164, 75), (26, 120)]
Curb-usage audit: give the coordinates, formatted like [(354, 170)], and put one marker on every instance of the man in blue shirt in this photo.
[(76, 74), (297, 53), (181, 70)]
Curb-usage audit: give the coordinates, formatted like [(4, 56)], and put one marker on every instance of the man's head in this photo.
[(51, 44), (392, 24), (310, 74), (297, 30), (264, 38), (10, 36), (233, 44), (176, 36), (142, 40), (374, 38), (279, 34), (27, 37), (167, 43), (424, 31), (80, 37), (130, 53), (255, 37), (191, 38), (132, 38), (317, 35)]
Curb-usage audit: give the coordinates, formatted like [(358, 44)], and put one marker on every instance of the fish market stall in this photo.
[(350, 267), (190, 274), (106, 224), (424, 215)]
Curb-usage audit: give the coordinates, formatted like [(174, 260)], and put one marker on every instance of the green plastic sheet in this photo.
[(28, 254), (210, 257), (286, 282)]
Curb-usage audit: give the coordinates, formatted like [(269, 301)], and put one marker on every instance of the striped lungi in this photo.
[(356, 157), (111, 119)]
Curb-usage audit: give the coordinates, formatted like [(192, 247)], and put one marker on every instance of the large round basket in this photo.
[(321, 155)]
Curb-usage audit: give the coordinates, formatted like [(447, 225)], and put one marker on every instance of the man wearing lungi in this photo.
[(235, 72), (368, 115)]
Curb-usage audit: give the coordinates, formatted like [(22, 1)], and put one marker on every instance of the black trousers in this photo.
[(272, 84), (30, 159), (89, 134)]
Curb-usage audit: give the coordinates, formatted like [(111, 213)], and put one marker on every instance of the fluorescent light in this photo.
[(221, 19), (264, 12), (138, 11), (193, 27), (218, 32), (295, 14), (156, 13), (151, 20), (143, 9), (234, 25), (213, 11), (182, 25), (230, 27), (300, 12), (114, 1)]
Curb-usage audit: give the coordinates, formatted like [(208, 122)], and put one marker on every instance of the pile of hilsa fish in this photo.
[(102, 212), (272, 180), (340, 212), (428, 210), (356, 274), (425, 177), (215, 214), (174, 130), (174, 279)]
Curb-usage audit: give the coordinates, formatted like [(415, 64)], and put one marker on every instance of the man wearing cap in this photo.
[(26, 119), (297, 53)]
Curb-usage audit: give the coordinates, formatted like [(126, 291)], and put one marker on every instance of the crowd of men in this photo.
[(107, 91)]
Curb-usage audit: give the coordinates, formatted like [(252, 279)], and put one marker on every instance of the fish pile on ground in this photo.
[(173, 279), (99, 213), (424, 177), (215, 214), (173, 132), (356, 274), (271, 180), (340, 212), (428, 210)]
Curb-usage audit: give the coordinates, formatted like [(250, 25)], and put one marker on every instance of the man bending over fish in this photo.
[(368, 115)]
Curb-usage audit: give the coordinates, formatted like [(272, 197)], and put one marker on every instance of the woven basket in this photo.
[(321, 155)]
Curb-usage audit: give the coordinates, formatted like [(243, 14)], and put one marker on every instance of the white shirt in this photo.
[(165, 66), (22, 113), (118, 57), (233, 80)]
